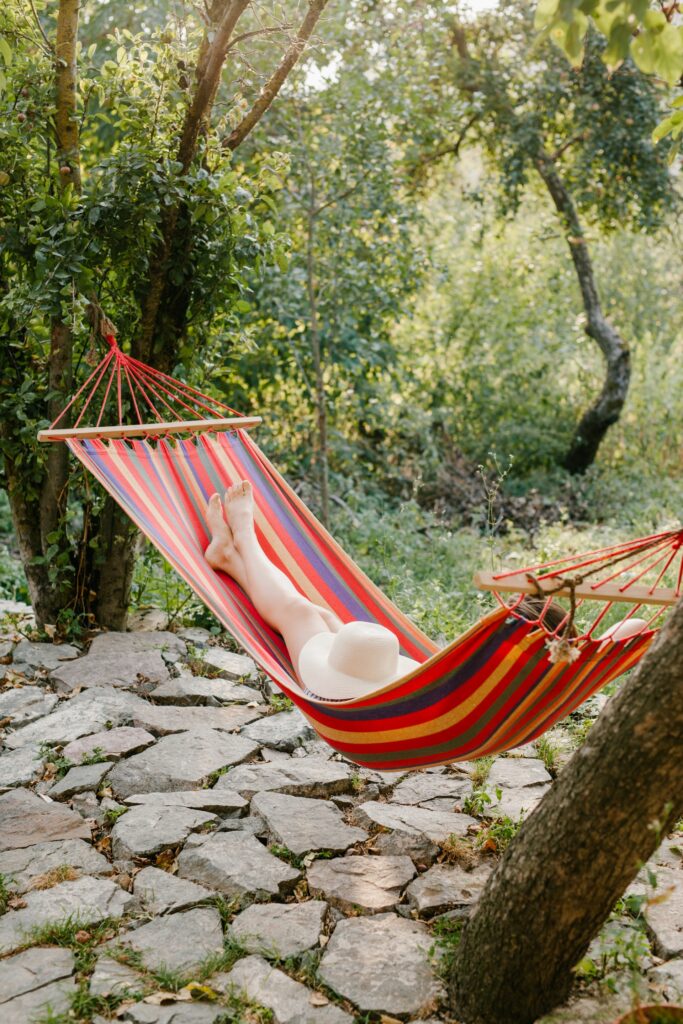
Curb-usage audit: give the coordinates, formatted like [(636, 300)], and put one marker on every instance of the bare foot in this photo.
[(221, 552), (239, 510)]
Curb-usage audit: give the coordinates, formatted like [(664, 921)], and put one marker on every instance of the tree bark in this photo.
[(578, 851), (111, 575), (606, 409), (66, 82)]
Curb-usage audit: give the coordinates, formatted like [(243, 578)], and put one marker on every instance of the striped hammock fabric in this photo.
[(492, 689)]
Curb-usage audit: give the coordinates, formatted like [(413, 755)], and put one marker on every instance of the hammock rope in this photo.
[(500, 685)]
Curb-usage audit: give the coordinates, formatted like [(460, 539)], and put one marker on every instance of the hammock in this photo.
[(496, 687)]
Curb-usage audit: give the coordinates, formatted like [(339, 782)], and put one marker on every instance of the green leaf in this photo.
[(5, 51)]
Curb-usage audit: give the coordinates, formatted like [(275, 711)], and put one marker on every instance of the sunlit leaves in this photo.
[(630, 26)]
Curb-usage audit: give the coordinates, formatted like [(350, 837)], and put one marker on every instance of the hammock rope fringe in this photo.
[(504, 682)]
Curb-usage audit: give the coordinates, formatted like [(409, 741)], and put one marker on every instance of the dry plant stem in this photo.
[(575, 855)]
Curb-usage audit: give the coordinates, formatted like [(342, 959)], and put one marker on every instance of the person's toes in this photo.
[(214, 514)]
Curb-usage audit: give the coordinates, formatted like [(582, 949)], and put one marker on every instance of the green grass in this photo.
[(6, 892)]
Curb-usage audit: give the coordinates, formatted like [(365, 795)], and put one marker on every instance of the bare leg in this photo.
[(273, 594)]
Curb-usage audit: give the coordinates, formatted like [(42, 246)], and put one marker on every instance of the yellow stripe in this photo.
[(446, 721)]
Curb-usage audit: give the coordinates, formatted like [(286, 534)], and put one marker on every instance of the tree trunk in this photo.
[(316, 351), (606, 409), (578, 851), (111, 576)]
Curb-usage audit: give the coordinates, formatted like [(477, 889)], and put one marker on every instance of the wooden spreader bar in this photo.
[(150, 429), (637, 593)]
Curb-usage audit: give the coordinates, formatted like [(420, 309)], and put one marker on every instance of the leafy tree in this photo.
[(649, 33), (120, 190), (325, 317), (584, 133)]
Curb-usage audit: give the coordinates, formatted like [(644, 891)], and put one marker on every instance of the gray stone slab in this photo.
[(169, 719), (29, 657), (24, 704), (162, 893), (125, 660), (32, 1006), (197, 636), (32, 969), (286, 730), (517, 772), (435, 825), (515, 803), (227, 664), (110, 978), (20, 767), (26, 819), (150, 828), (381, 963), (85, 713), (25, 865), (179, 942), (177, 1013), (81, 779), (424, 787), (178, 762), (223, 802), (289, 1000), (368, 884), (421, 850), (667, 979), (446, 886), (114, 743), (306, 777), (280, 929), (88, 900), (237, 865), (302, 824), (665, 916), (188, 690)]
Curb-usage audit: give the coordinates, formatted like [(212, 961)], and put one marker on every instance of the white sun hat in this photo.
[(360, 658)]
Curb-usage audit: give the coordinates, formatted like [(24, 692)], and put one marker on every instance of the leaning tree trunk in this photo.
[(606, 409), (576, 854)]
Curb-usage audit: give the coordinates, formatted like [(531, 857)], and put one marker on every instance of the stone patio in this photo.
[(198, 833)]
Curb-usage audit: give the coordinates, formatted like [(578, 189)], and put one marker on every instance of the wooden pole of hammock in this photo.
[(150, 429), (635, 593)]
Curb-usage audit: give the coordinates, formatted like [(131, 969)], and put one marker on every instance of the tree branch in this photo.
[(277, 79), (42, 31), (257, 32), (207, 84), (449, 149), (341, 195)]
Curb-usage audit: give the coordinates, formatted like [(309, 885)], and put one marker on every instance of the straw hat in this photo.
[(360, 658)]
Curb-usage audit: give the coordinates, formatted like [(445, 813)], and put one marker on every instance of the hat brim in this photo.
[(320, 678)]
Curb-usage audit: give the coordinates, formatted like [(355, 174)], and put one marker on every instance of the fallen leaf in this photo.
[(16, 903), (197, 991), (161, 998), (82, 936)]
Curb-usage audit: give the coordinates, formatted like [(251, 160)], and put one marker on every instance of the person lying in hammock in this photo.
[(555, 616), (332, 660)]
